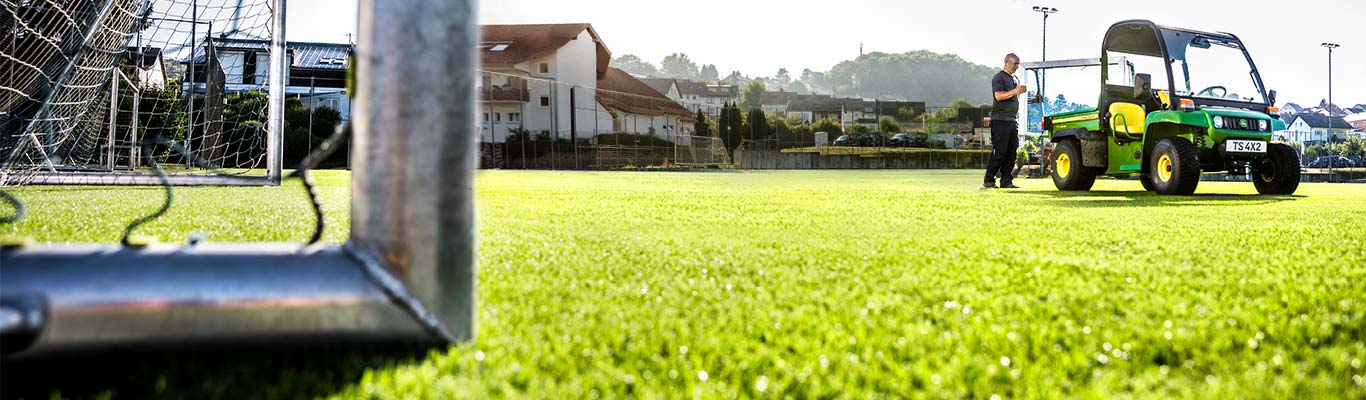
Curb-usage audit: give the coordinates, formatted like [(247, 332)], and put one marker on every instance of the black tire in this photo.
[(1147, 182), (1174, 166), (1278, 172), (1068, 171)]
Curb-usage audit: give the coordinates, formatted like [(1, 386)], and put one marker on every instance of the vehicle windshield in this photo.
[(1214, 68)]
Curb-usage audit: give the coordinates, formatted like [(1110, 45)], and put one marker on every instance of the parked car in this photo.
[(1331, 162), (900, 140), (844, 140)]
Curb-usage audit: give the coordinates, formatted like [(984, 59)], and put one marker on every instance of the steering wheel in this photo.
[(1210, 90)]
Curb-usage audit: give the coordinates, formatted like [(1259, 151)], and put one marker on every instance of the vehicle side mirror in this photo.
[(1143, 86), (1271, 97)]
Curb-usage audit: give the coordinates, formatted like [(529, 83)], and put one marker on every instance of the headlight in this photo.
[(1263, 124), (1219, 122)]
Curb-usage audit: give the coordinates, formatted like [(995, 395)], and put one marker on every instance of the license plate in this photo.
[(1245, 146)]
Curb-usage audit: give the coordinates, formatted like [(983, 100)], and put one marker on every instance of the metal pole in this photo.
[(113, 114), (137, 105), (415, 150), (189, 120), (279, 70), (312, 104)]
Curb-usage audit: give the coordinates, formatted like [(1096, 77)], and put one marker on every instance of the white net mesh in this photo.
[(701, 150), (94, 91)]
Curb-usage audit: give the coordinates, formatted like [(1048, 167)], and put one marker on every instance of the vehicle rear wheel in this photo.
[(1278, 172), (1068, 172), (1174, 166), (1147, 182)]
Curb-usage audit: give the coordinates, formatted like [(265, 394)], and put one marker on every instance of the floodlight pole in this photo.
[(1045, 11), (1330, 47)]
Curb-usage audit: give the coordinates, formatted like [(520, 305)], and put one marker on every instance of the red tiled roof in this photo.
[(526, 42), (619, 91)]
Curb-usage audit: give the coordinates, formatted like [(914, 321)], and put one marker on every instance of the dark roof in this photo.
[(659, 84), (819, 103), (306, 54), (776, 98), (619, 91), (526, 42), (704, 90), (1323, 121), (150, 56)]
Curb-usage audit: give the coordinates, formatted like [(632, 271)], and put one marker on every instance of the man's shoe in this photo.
[(1010, 186), (989, 185)]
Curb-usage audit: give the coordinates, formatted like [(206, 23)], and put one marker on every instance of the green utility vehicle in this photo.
[(1208, 112)]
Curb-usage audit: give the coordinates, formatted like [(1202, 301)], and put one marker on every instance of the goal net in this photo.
[(116, 91), (701, 150)]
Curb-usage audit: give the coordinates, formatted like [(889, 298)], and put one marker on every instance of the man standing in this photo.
[(1005, 132)]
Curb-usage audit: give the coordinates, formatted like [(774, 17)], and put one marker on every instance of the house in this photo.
[(150, 67), (812, 108), (775, 102), (705, 97), (1357, 120), (316, 76), (637, 107), (1311, 129), (528, 74), (666, 86)]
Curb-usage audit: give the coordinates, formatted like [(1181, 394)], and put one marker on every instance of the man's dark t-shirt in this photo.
[(1004, 110)]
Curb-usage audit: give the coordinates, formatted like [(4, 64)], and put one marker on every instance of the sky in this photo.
[(759, 37)]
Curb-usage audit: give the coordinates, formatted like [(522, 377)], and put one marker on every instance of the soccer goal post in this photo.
[(99, 92)]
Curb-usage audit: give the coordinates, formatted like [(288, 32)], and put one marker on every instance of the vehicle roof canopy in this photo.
[(1146, 38)]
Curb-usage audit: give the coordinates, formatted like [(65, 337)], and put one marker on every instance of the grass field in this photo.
[(815, 284)]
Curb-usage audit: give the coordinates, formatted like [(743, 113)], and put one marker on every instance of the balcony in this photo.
[(498, 93)]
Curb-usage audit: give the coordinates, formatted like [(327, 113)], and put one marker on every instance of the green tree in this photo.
[(300, 137), (860, 128), (701, 127), (759, 128), (709, 74), (753, 92), (888, 125), (634, 65), (678, 65), (827, 125), (731, 125), (920, 75)]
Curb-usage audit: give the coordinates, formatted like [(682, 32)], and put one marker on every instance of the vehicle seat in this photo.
[(1127, 118)]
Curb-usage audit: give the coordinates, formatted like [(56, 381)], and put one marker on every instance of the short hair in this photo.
[(1012, 55)]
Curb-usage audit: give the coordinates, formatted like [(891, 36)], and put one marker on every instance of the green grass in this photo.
[(911, 284)]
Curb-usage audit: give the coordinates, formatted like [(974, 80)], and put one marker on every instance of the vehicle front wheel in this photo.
[(1174, 166), (1278, 172), (1147, 182), (1068, 172)]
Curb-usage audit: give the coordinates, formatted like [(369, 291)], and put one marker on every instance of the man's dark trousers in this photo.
[(1005, 140)]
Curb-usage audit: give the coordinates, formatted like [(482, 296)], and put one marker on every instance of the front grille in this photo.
[(1241, 124)]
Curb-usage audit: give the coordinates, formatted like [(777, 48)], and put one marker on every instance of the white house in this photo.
[(150, 67), (528, 73), (1310, 129), (666, 86), (636, 107), (316, 76), (708, 98)]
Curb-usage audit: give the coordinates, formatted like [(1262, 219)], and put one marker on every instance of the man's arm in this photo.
[(1002, 94)]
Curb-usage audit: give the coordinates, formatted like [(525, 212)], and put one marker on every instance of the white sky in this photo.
[(758, 37)]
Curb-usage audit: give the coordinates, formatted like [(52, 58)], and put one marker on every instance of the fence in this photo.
[(627, 122)]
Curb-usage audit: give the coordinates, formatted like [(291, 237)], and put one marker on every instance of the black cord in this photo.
[(148, 148), (18, 208), (325, 149)]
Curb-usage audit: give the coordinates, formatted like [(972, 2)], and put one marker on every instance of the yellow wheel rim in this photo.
[(1064, 165), (1164, 168)]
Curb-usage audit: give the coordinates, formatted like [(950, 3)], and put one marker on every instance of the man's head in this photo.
[(1012, 63)]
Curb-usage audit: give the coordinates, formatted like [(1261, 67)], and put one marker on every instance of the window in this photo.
[(514, 117), (545, 101), (545, 68), (497, 117), (486, 117), (249, 68)]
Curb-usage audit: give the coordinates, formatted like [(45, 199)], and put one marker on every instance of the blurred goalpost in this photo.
[(124, 92)]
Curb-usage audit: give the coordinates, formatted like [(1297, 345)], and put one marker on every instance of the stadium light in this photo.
[(1044, 51), (1330, 47)]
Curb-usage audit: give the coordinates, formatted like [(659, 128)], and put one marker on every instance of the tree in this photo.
[(297, 130), (731, 125), (701, 127), (678, 65), (782, 78), (888, 125), (737, 79), (860, 128), (634, 65), (797, 87), (827, 125), (753, 93), (759, 128), (921, 75), (709, 73)]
